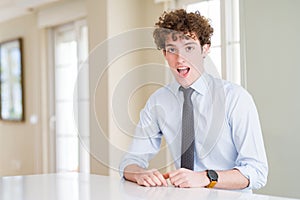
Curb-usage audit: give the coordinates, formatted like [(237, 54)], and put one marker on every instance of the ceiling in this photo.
[(10, 9)]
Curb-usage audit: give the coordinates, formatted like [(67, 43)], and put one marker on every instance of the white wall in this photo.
[(273, 68)]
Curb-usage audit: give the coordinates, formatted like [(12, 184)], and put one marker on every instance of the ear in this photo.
[(205, 50), (164, 52)]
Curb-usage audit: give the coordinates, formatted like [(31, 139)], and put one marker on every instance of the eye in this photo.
[(171, 50), (189, 48)]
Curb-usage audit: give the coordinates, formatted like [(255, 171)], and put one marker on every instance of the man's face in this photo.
[(185, 58)]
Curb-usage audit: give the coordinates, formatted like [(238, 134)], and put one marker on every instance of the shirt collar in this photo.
[(200, 85)]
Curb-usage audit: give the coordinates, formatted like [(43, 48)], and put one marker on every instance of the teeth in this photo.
[(182, 68)]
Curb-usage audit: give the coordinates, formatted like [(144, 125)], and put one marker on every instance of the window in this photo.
[(71, 103), (224, 58)]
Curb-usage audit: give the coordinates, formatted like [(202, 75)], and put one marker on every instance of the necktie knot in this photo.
[(187, 92)]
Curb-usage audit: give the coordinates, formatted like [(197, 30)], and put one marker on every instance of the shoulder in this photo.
[(230, 90), (162, 99), (235, 91), (163, 93), (235, 96), (238, 99)]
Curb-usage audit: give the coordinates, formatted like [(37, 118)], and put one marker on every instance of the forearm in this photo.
[(232, 180)]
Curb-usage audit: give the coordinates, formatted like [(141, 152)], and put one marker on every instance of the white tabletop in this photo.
[(73, 186)]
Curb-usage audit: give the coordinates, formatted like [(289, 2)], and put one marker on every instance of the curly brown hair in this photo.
[(179, 21)]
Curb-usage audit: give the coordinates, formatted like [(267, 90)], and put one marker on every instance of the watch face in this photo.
[(213, 176)]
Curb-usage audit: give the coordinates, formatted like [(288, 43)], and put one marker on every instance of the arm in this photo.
[(143, 176), (229, 179), (145, 145), (251, 160)]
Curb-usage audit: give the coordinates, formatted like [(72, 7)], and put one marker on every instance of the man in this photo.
[(210, 120)]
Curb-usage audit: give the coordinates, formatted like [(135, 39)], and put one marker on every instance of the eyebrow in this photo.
[(188, 43), (170, 45)]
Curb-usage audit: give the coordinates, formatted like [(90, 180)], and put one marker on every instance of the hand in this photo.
[(186, 178), (150, 178)]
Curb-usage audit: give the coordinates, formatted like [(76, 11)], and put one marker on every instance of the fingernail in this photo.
[(166, 176)]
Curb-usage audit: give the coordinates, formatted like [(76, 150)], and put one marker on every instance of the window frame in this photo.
[(79, 98), (231, 61)]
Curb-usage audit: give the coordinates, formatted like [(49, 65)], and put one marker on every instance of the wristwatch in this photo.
[(213, 177)]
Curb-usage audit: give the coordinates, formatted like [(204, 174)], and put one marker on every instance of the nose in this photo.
[(180, 58)]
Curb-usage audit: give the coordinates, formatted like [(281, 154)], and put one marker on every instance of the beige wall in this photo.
[(20, 147), (97, 25), (115, 18), (273, 68), (136, 17)]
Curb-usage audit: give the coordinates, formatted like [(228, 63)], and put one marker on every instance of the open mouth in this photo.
[(183, 71)]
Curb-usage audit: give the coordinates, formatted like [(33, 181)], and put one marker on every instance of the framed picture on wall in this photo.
[(11, 81)]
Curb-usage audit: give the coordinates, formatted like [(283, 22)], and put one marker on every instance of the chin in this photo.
[(184, 83)]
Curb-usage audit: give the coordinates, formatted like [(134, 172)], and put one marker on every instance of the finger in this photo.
[(155, 179), (174, 173), (180, 182), (175, 178), (150, 180), (161, 178), (143, 182), (184, 185), (177, 172)]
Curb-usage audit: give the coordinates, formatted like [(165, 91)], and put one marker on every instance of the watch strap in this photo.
[(211, 184)]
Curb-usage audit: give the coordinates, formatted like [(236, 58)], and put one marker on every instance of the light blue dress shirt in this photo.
[(227, 129)]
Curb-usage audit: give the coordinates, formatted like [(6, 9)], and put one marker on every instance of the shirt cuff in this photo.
[(256, 179), (130, 161)]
